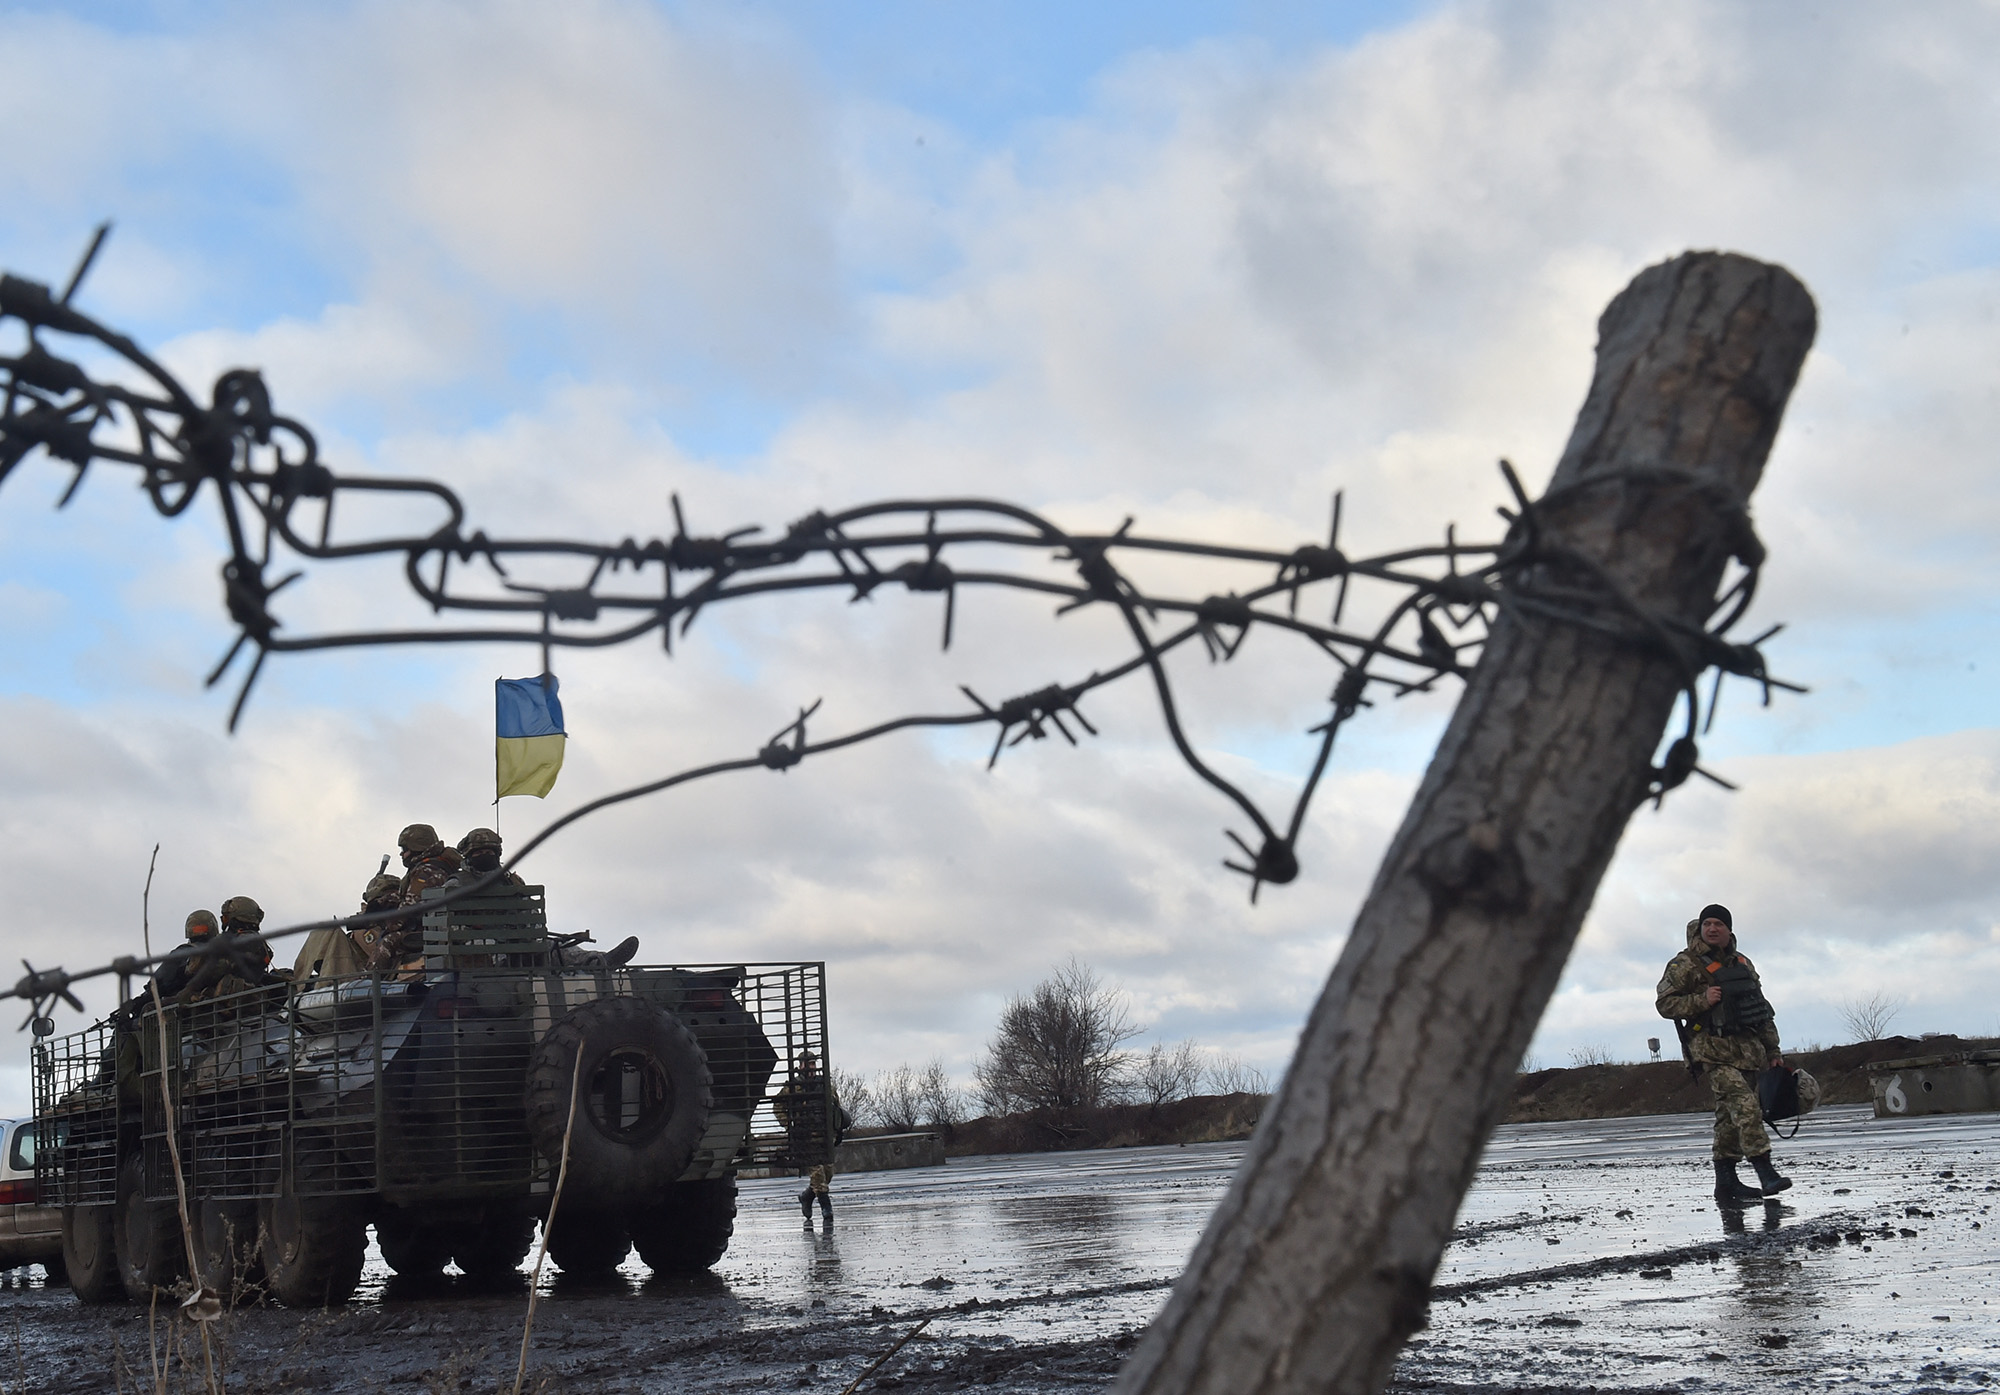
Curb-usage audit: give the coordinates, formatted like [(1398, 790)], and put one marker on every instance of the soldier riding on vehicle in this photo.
[(481, 849)]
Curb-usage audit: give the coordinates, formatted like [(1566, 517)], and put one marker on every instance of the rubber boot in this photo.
[(619, 957), (1729, 1188), (1767, 1175), (806, 1205), (826, 1206)]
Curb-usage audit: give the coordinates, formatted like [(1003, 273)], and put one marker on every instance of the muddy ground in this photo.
[(1588, 1257)]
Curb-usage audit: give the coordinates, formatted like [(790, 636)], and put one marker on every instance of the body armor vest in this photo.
[(1744, 1010)]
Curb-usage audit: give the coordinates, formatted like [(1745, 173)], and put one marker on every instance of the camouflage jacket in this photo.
[(440, 868), (1683, 994)]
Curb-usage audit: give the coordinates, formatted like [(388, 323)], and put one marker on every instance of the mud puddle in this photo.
[(1588, 1255)]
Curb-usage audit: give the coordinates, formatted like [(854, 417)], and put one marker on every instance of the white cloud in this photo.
[(1230, 286)]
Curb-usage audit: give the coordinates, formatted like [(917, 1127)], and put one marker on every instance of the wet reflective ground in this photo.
[(1592, 1254), (1589, 1256)]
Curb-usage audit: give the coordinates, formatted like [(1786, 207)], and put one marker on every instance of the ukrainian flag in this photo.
[(528, 726)]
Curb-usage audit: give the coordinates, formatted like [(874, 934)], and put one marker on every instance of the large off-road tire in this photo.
[(646, 1097), (690, 1230), (90, 1253), (313, 1246), (494, 1249), (226, 1249), (587, 1242), (414, 1251), (152, 1254)]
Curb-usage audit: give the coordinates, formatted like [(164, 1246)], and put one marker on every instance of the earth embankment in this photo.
[(1665, 1087), (1543, 1096)]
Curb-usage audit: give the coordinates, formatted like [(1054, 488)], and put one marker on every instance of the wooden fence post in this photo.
[(1318, 1263)]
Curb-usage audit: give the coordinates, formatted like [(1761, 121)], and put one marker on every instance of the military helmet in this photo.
[(201, 924), (479, 838), (418, 837), (242, 910), (1809, 1093), (380, 885)]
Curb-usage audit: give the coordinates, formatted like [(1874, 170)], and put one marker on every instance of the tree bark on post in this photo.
[(1317, 1265)]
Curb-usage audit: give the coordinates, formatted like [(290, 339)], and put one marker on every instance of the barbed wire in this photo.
[(262, 471)]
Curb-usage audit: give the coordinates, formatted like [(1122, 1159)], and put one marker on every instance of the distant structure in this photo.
[(1653, 1045)]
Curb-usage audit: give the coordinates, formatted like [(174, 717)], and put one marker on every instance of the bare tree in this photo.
[(1318, 1262), (899, 1099), (1228, 1075), (943, 1102), (854, 1095), (1868, 1019), (1058, 1047), (1582, 1056), (1167, 1073)]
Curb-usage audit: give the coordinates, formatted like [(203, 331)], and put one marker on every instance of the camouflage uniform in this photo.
[(244, 961), (807, 1108), (1730, 1059), (431, 866), (378, 942)]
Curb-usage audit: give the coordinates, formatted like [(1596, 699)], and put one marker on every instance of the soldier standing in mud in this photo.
[(807, 1108), (1730, 1031)]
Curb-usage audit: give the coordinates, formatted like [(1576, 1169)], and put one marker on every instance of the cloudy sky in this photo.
[(1201, 262)]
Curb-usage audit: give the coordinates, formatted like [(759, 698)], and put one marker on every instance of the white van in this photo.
[(30, 1233)]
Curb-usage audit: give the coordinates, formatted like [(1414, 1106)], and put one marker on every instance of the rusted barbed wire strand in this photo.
[(264, 472)]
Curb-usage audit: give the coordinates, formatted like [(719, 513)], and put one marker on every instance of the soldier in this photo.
[(807, 1108), (243, 959), (431, 866), (481, 851), (182, 964), (429, 862), (380, 942), (241, 916), (1731, 1033)]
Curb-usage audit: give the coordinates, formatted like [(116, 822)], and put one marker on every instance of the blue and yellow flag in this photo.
[(528, 726)]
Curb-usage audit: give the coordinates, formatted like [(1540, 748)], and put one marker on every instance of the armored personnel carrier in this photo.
[(432, 1104)]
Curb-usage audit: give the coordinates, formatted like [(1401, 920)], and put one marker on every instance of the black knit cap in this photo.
[(1720, 913)]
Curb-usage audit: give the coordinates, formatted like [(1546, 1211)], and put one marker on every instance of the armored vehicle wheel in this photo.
[(90, 1253), (495, 1249), (412, 1250), (645, 1104), (313, 1246), (586, 1242), (225, 1246), (151, 1251), (690, 1230)]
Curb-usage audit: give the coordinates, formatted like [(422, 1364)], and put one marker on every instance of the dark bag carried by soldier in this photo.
[(1777, 1093), (1785, 1093)]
